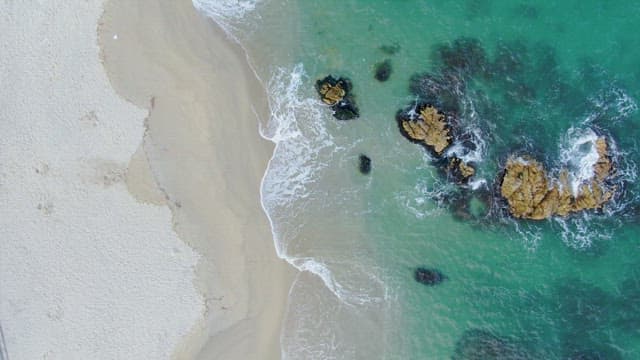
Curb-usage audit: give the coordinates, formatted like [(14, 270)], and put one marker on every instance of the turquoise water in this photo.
[(538, 75)]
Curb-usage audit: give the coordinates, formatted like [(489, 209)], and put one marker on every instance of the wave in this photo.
[(611, 105), (578, 155), (303, 149), (226, 13)]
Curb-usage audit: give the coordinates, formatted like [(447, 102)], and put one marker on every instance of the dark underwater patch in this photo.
[(465, 56), (364, 164), (390, 49), (429, 276), (479, 344), (383, 70), (526, 11)]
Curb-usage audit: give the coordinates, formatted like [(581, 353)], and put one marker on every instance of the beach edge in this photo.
[(169, 62)]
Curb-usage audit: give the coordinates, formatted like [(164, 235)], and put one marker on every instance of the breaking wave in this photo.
[(304, 148)]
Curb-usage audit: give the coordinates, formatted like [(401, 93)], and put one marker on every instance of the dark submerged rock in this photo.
[(345, 110), (459, 171), (440, 90), (428, 276), (464, 55), (483, 345), (365, 164), (509, 62), (608, 354), (337, 94), (383, 70), (390, 49)]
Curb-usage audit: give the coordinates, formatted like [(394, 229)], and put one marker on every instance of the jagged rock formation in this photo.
[(532, 194), (337, 94), (429, 277), (429, 128)]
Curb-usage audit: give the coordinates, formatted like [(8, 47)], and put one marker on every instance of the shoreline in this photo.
[(196, 84)]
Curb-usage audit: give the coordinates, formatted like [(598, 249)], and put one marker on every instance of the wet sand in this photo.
[(203, 151)]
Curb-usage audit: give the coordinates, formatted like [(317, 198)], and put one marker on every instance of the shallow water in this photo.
[(537, 77)]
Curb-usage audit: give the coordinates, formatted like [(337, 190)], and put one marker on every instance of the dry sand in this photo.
[(86, 271), (205, 153), (132, 229)]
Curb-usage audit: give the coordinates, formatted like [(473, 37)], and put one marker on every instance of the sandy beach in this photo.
[(129, 179)]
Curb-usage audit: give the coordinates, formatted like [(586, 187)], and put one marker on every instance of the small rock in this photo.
[(459, 171), (429, 277), (337, 94), (365, 164)]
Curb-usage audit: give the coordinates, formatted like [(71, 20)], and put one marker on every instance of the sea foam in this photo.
[(304, 146), (579, 153), (226, 13)]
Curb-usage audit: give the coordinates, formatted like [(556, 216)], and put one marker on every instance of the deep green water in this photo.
[(556, 289)]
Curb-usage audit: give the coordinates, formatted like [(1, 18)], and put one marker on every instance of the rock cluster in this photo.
[(337, 94), (532, 194), (429, 127), (459, 171)]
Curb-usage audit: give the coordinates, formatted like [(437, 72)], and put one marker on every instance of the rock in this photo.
[(483, 345), (525, 186), (332, 91), (337, 94), (531, 194), (459, 171), (345, 110), (365, 164), (428, 128), (429, 277), (383, 70)]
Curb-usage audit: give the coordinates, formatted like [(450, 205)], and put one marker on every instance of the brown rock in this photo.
[(337, 94), (331, 94), (525, 186), (531, 194), (429, 128)]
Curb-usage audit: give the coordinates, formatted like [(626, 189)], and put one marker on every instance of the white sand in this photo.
[(93, 260), (87, 272)]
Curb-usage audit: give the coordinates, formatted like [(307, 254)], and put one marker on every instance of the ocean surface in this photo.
[(539, 77)]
